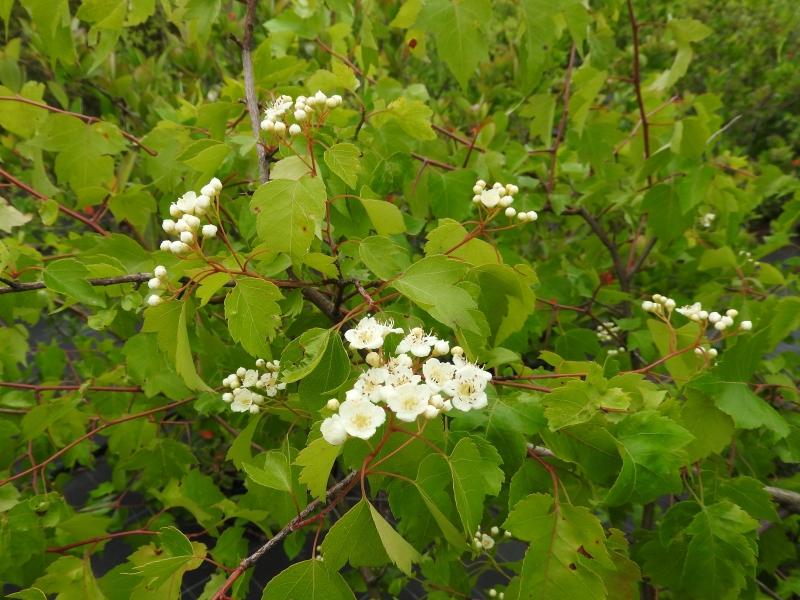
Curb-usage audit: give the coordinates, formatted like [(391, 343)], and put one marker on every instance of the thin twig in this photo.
[(67, 211), (562, 124), (85, 118)]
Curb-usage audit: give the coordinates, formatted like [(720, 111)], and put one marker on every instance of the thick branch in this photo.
[(250, 89), (287, 529)]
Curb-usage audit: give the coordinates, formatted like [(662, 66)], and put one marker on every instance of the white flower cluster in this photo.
[(661, 305), (187, 210), (707, 220), (250, 387), (695, 312), (702, 351), (748, 257), (302, 109), (486, 541), (403, 383), (607, 331), (502, 196), (157, 283)]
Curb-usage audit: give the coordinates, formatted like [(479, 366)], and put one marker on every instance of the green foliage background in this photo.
[(618, 475)]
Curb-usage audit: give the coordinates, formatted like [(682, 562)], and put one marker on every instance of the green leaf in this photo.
[(10, 217), (331, 371), (168, 321), (451, 234), (386, 217), (384, 257), (652, 453), (288, 214), (253, 314), (307, 580), (344, 160), (747, 410), (302, 355), (275, 474), (239, 450), (362, 537), (474, 478), (177, 556), (580, 401), (431, 284), (69, 277), (721, 555), (413, 117), (567, 546), (317, 460), (712, 429), (459, 29)]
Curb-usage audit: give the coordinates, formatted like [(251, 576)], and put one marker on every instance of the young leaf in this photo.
[(474, 478), (317, 460), (344, 160), (309, 580), (253, 314)]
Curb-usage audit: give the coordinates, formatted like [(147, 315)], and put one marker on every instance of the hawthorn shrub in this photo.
[(423, 298)]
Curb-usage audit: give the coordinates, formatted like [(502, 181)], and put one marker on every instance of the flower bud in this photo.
[(187, 237), (532, 215), (373, 359), (441, 347), (177, 247), (295, 129), (522, 217), (332, 404), (431, 412), (731, 312), (154, 300), (495, 530), (280, 128), (209, 230), (703, 315), (227, 397), (714, 317), (746, 325), (669, 304), (164, 246), (506, 201), (477, 189), (492, 593), (191, 221), (320, 97), (720, 326), (241, 372), (511, 212), (456, 351), (300, 115), (168, 225), (216, 183), (260, 363), (647, 306), (481, 184), (447, 406), (437, 401), (712, 352), (207, 190), (268, 125), (154, 283)]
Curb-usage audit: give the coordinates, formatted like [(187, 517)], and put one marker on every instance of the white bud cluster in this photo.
[(502, 196), (660, 305), (707, 220), (187, 210), (249, 388), (486, 540), (403, 383), (607, 331), (702, 352), (748, 257), (157, 284), (616, 351), (493, 593), (302, 109)]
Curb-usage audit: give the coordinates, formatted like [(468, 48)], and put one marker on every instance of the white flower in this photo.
[(160, 271), (487, 542), (468, 387), (245, 400), (186, 202), (250, 378), (360, 418), (746, 325), (400, 371), (369, 334), (417, 342), (409, 401), (437, 374), (370, 384), (490, 198), (209, 231), (333, 430)]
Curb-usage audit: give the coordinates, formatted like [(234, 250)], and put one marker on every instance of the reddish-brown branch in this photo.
[(100, 538), (637, 82), (562, 124), (91, 433), (64, 209), (85, 118), (68, 387), (433, 162)]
